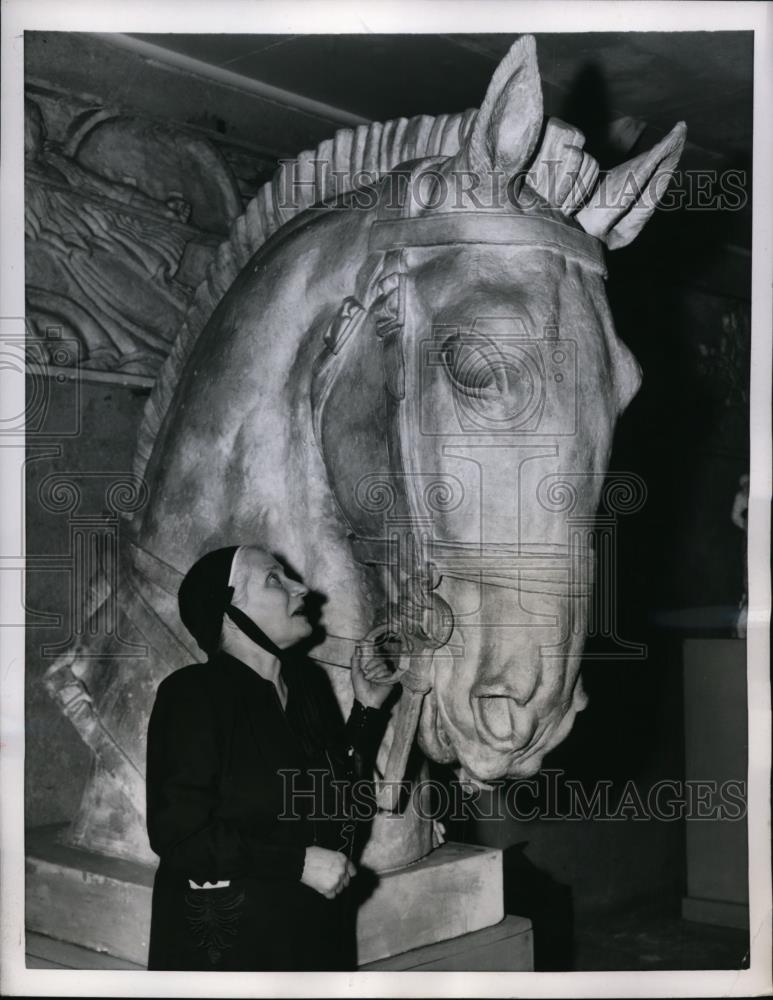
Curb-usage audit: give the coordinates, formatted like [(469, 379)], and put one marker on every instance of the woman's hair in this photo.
[(204, 595)]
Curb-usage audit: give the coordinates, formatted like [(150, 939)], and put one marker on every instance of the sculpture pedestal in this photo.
[(87, 899), (506, 947), (454, 890), (103, 904)]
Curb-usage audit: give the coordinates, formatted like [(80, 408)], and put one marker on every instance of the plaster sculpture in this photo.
[(402, 375)]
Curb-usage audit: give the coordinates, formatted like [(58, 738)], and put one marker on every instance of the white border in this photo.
[(419, 16)]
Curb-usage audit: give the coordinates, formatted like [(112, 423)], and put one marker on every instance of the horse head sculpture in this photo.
[(391, 380), (502, 378)]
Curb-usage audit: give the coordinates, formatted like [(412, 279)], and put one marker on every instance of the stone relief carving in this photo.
[(116, 237)]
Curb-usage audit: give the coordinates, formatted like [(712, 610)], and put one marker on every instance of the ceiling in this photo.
[(590, 79)]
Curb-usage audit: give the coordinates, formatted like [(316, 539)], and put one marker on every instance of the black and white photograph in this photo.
[(386, 443)]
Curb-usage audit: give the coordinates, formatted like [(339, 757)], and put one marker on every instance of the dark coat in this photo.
[(217, 809)]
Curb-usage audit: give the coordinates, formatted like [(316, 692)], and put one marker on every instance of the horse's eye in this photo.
[(475, 365)]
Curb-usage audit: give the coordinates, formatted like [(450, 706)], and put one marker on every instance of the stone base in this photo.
[(454, 890), (506, 947), (43, 952), (103, 904), (97, 902)]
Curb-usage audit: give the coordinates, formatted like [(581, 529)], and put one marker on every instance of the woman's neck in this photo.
[(265, 664)]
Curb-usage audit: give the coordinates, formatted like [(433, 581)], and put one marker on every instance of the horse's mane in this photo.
[(351, 159)]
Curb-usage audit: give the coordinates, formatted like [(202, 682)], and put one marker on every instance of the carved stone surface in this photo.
[(121, 220), (411, 396)]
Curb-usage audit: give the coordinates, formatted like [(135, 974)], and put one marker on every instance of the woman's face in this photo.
[(264, 592)]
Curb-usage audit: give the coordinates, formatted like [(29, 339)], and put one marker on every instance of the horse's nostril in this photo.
[(505, 719), (495, 714)]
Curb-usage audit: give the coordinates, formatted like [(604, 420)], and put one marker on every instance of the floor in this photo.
[(639, 941)]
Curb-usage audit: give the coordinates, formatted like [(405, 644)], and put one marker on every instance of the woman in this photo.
[(255, 850)]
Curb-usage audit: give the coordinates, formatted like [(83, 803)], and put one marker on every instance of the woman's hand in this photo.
[(371, 678), (327, 872)]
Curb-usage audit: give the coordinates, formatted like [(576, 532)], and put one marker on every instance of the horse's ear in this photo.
[(629, 194), (506, 128)]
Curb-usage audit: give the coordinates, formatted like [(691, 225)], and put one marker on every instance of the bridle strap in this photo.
[(516, 229), (527, 568)]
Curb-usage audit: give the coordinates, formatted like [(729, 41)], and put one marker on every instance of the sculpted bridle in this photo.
[(389, 516)]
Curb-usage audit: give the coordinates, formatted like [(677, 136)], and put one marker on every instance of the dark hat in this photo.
[(204, 595)]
